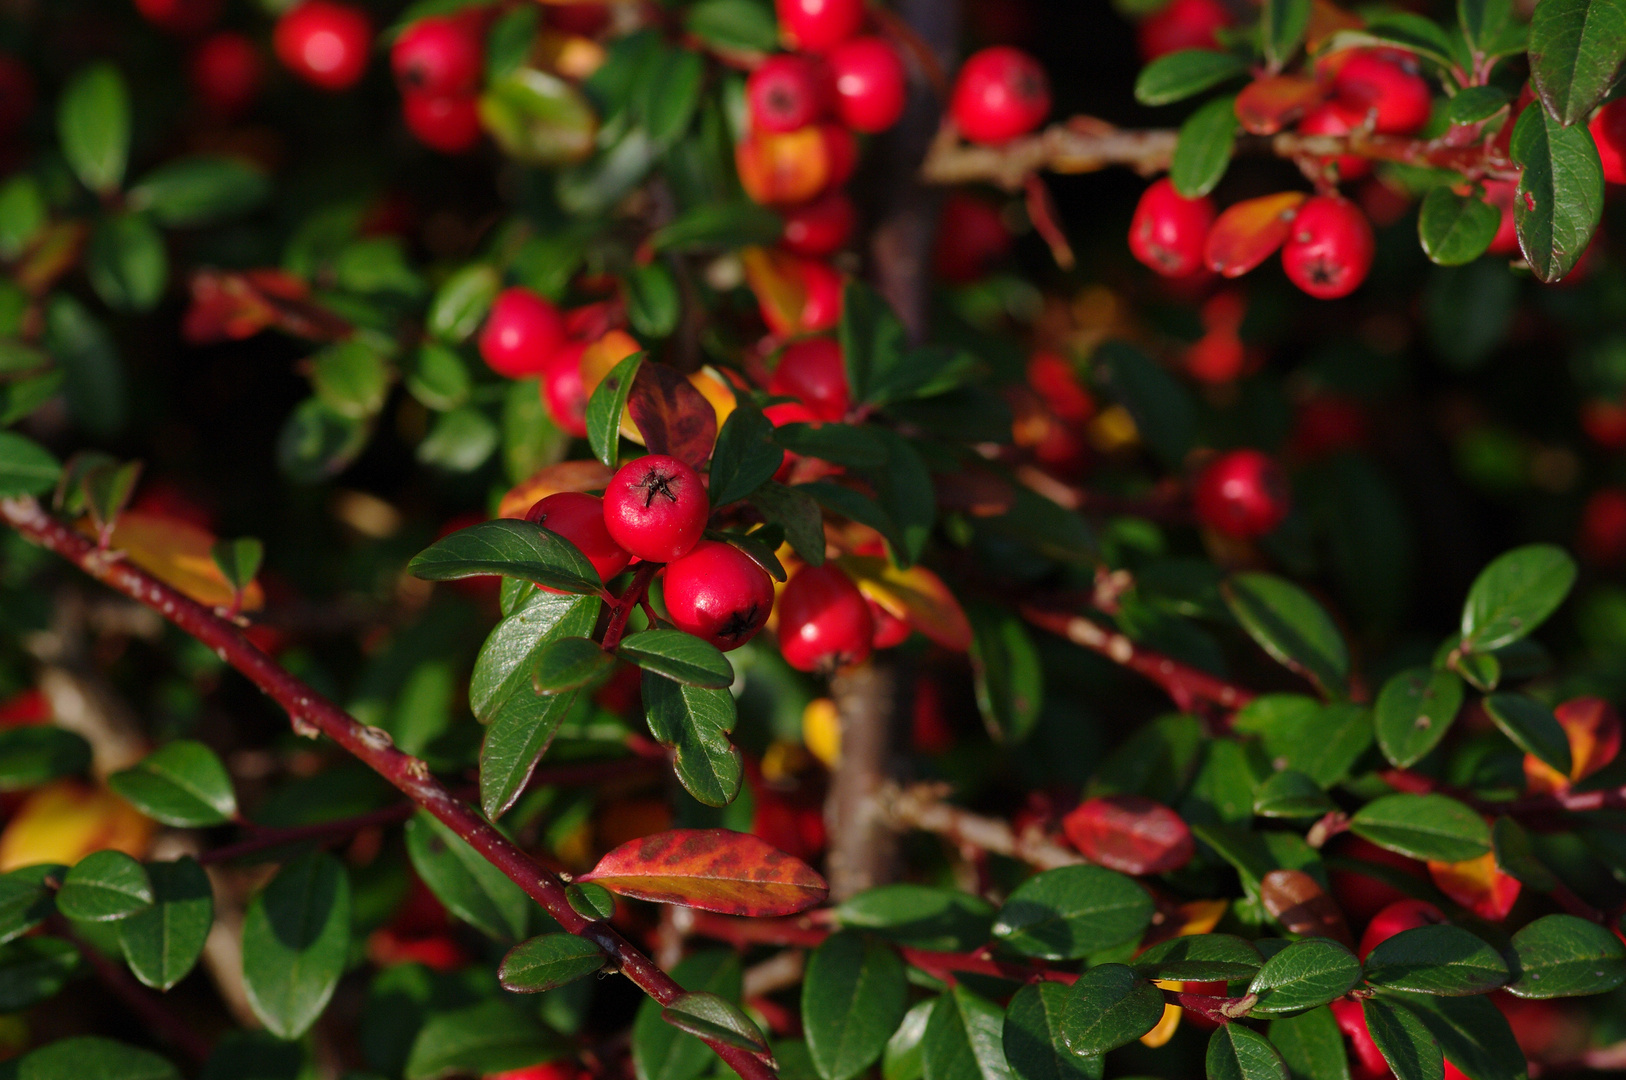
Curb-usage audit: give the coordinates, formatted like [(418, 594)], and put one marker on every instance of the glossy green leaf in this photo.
[(1565, 956), (1179, 75), (351, 378), (1281, 29), (1305, 975), (296, 939), (1516, 855), (238, 560), (1291, 626), (1207, 140), (461, 303), (471, 888), (1200, 958), (548, 962), (1423, 827), (1473, 1033), (460, 440), (605, 406), (182, 783), (438, 378), (734, 24), (1032, 1039), (854, 995), (1456, 229), (90, 1057), (37, 754), (653, 303), (518, 549), (1514, 595), (672, 94), (95, 382), (1442, 959), (1414, 711), (1476, 103), (745, 457), (714, 1018), (1532, 727), (662, 1052), (1321, 741), (1290, 794), (490, 1037), (23, 214), (26, 900), (569, 663), (796, 512), (200, 189), (964, 1039), (1006, 673), (1311, 1045), (93, 126), (1108, 1007), (872, 339), (1558, 203), (1236, 1052), (26, 468), (591, 901), (922, 916), (679, 656), (162, 944), (127, 263), (538, 118), (1404, 1040), (104, 886), (317, 442), (1483, 21), (1576, 47), (905, 1053), (1073, 911), (695, 721), (35, 969), (724, 225)]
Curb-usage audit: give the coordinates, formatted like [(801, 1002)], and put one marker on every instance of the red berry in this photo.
[(790, 412), (717, 592), (1243, 493), (1385, 86), (1499, 193), (786, 92), (522, 333), (656, 508), (448, 124), (180, 16), (971, 237), (869, 81), (1609, 132), (440, 56), (818, 26), (822, 309), (1336, 118), (227, 72), (890, 631), (1181, 24), (1603, 527), (581, 19), (840, 153), (1401, 915), (324, 43), (819, 228), (1000, 93), (1330, 247), (16, 94), (1056, 383), (563, 391), (824, 621), (1168, 231), (1352, 1021), (812, 371), (579, 518)]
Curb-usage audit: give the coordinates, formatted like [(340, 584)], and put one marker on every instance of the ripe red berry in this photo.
[(1243, 493), (971, 237), (1499, 193), (656, 508), (1385, 86), (812, 371), (1401, 915), (324, 43), (1352, 1022), (1330, 248), (563, 391), (786, 92), (818, 26), (717, 592), (16, 94), (1000, 93), (890, 631), (840, 153), (1168, 231), (819, 228), (448, 124), (870, 83), (439, 56), (1181, 24), (1603, 527), (1336, 118), (579, 518), (1055, 380), (824, 621), (522, 333), (180, 16), (227, 72), (822, 309), (1608, 130)]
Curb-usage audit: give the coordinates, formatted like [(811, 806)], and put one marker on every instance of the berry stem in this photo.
[(630, 598)]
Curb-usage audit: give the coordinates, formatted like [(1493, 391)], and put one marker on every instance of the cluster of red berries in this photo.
[(437, 63)]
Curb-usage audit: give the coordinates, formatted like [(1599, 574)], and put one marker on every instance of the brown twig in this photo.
[(921, 806), (312, 714)]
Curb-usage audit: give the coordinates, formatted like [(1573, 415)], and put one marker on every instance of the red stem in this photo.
[(312, 714), (268, 839), (629, 599)]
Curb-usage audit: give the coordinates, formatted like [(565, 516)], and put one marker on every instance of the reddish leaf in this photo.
[(1478, 885), (1245, 234), (1327, 19), (915, 595), (977, 492), (230, 306), (776, 280), (673, 416), (1267, 105), (1130, 833), (1297, 901), (589, 475), (711, 869), (1594, 732)]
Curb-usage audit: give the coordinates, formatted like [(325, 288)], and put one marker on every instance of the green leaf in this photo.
[(461, 303), (1164, 413), (1007, 676), (671, 96), (181, 784), (1483, 21), (1304, 976), (89, 1057), (1290, 794), (695, 721), (1423, 827), (259, 1055), (95, 382), (1281, 29), (734, 24), (1456, 229), (1565, 956), (549, 962), (1473, 1033), (1442, 959), (200, 189), (238, 560), (23, 214), (1108, 1007), (1207, 140), (517, 549), (679, 656), (93, 124), (1404, 1040), (1475, 103), (920, 916), (34, 969), (905, 1053), (725, 225), (569, 663), (1073, 911), (163, 943), (37, 754), (854, 995), (25, 899), (841, 444), (126, 263), (296, 938), (662, 1052), (653, 303), (1516, 855), (1311, 1045), (1532, 727), (605, 407), (439, 378), (1288, 624), (1241, 1053), (509, 42), (471, 888), (1559, 200), (1575, 49), (478, 1040), (318, 442), (745, 457), (591, 901), (104, 886), (1179, 75), (1514, 595), (708, 1016), (872, 339), (964, 1039), (797, 513), (1414, 711), (26, 467), (461, 440), (1032, 1037), (351, 378), (1200, 958)]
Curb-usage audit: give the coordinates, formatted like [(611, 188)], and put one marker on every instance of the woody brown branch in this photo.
[(921, 806)]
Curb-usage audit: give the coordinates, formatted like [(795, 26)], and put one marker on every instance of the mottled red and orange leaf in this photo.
[(1478, 885), (1265, 106), (1130, 833), (1245, 234), (711, 869), (672, 415), (177, 553), (589, 475)]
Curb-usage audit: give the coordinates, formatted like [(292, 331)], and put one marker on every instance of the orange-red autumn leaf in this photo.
[(586, 475), (1594, 730), (915, 595), (177, 553), (1267, 105), (1327, 19), (1478, 885), (1130, 833), (232, 305), (711, 869), (1246, 233), (672, 415)]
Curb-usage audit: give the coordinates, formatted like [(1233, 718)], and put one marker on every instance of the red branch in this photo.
[(313, 714), (623, 605)]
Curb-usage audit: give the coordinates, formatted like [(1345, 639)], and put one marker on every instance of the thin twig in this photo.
[(921, 806)]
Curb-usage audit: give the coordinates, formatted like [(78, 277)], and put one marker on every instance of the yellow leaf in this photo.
[(1166, 1027), (821, 731), (65, 821), (178, 554)]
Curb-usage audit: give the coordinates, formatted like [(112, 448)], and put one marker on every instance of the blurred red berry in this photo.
[(812, 371), (999, 94), (522, 333), (818, 26), (819, 228), (563, 391), (1181, 24), (824, 621), (448, 124), (227, 72), (1336, 118), (324, 43), (1168, 231), (1383, 86), (787, 92), (1330, 247), (441, 56), (971, 237), (1243, 493), (180, 16), (1609, 132), (1603, 527), (870, 83)]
